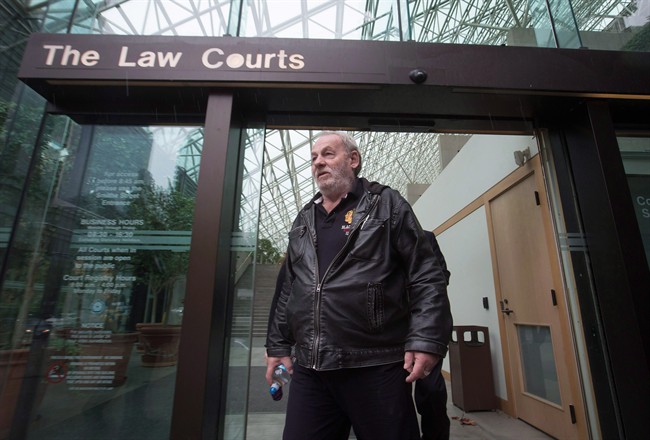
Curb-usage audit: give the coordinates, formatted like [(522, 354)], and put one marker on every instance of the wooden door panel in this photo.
[(535, 340)]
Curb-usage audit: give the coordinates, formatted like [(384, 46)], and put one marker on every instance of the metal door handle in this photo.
[(504, 307)]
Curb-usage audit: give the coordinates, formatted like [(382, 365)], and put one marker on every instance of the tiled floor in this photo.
[(490, 425), (267, 425)]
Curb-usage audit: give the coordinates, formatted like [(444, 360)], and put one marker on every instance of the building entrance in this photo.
[(65, 203), (110, 248), (473, 248)]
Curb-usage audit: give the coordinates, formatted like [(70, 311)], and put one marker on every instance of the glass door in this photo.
[(94, 288)]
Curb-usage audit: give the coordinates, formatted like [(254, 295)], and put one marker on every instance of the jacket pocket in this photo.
[(375, 307), (369, 239), (297, 243)]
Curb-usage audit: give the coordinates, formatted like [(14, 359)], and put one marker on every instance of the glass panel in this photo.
[(244, 239), (636, 160), (543, 29), (95, 280), (18, 131), (538, 362), (564, 23), (613, 25), (603, 24)]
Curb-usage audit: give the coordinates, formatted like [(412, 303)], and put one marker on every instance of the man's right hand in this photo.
[(272, 362)]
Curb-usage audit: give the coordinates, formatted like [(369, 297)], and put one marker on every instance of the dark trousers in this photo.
[(375, 401), (431, 403)]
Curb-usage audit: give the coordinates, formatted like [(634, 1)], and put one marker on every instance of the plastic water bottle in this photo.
[(280, 377)]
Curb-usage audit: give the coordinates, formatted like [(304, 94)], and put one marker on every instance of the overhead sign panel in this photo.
[(155, 58), (64, 60)]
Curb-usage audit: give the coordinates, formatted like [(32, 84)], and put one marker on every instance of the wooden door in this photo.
[(543, 368)]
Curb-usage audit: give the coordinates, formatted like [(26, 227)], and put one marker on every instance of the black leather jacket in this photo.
[(384, 293)]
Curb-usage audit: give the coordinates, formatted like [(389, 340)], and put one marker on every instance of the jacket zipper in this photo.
[(319, 286)]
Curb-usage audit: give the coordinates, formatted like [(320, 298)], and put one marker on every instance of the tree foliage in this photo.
[(640, 42), (267, 253), (167, 211)]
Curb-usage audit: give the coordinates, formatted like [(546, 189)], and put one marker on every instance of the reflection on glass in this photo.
[(543, 29), (244, 239), (96, 280), (564, 23), (538, 362), (19, 123), (635, 153)]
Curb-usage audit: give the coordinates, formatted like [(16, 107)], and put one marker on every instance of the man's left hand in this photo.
[(419, 364)]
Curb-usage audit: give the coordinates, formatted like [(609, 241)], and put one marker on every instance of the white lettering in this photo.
[(123, 56), (147, 59), (90, 58), (267, 60), (51, 51), (282, 55), (70, 56), (253, 61), (205, 59), (254, 65), (641, 200), (235, 60), (170, 58), (70, 52), (645, 212), (296, 61)]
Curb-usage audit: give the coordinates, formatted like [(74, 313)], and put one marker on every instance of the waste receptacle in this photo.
[(470, 364)]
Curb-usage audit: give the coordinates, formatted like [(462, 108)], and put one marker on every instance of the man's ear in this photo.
[(354, 159)]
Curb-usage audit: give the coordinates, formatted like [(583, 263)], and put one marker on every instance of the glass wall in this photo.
[(635, 152), (94, 282), (603, 24)]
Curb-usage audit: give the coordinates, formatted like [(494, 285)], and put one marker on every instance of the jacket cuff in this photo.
[(278, 351), (427, 347)]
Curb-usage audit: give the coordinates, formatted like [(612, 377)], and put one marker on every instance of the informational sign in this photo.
[(102, 278), (640, 190), (56, 372)]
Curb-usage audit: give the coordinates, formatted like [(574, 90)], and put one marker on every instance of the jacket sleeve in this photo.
[(278, 340), (438, 253), (430, 313)]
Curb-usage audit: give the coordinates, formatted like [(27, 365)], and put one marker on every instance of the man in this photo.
[(431, 391), (354, 252)]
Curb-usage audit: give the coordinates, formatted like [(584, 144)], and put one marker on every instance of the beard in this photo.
[(339, 181)]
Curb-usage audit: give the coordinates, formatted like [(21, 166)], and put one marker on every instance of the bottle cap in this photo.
[(276, 392)]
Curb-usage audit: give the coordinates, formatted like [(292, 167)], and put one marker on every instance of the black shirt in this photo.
[(333, 228)]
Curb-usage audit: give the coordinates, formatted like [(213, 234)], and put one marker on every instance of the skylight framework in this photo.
[(440, 21)]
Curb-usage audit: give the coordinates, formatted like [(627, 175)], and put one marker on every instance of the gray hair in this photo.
[(348, 142)]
